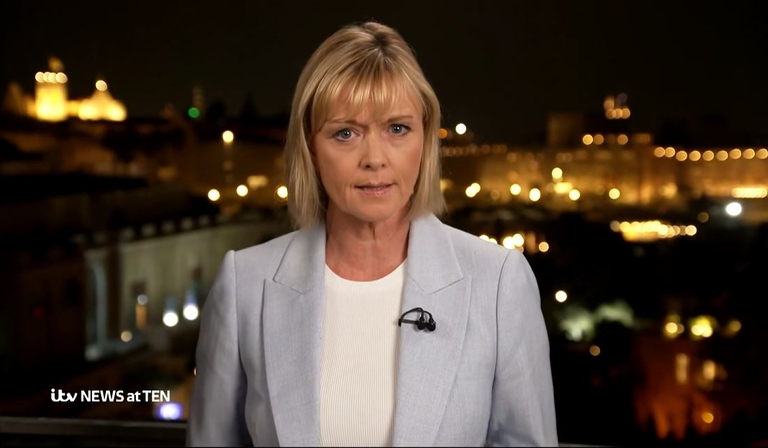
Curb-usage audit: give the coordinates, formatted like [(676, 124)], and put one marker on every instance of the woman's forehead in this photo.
[(370, 105), (372, 110)]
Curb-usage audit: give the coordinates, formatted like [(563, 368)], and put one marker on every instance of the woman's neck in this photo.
[(364, 251)]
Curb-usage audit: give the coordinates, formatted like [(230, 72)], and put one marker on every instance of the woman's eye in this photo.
[(344, 134), (399, 129)]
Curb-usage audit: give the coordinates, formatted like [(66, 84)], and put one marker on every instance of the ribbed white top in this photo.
[(358, 366)]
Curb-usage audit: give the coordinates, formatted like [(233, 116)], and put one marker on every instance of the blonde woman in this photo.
[(372, 324)]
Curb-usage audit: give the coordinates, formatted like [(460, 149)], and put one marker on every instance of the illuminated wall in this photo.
[(163, 263)]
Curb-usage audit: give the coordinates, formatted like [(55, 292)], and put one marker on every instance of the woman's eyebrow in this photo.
[(357, 123), (345, 121), (400, 118)]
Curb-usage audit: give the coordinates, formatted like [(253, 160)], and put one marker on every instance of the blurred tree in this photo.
[(216, 112), (249, 114)]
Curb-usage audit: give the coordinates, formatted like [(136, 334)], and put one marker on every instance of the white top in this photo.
[(358, 365)]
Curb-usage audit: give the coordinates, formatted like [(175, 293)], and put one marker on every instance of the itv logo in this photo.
[(61, 397)]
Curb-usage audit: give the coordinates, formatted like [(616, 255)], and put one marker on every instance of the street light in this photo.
[(461, 128), (228, 137), (733, 209)]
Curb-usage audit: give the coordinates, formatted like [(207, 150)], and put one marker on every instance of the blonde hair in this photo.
[(366, 63)]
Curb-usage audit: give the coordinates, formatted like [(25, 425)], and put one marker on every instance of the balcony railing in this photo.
[(26, 431)]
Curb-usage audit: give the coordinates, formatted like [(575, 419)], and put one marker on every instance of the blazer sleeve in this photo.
[(216, 410), (523, 408)]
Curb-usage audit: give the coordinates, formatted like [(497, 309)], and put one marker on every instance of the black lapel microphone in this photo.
[(422, 323)]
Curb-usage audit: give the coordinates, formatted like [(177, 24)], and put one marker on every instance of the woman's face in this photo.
[(369, 167)]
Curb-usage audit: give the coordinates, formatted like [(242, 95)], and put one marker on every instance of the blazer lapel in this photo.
[(292, 322), (429, 360)]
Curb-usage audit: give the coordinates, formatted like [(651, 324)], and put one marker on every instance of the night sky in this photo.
[(497, 66)]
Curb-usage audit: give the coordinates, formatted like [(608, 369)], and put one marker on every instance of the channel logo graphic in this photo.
[(111, 396)]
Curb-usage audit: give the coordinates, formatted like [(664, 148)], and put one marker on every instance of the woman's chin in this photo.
[(377, 215), (375, 218)]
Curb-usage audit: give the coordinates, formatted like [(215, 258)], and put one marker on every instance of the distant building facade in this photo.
[(92, 270)]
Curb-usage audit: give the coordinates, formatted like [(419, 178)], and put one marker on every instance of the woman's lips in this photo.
[(375, 190)]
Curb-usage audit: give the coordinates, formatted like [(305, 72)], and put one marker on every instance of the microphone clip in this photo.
[(422, 323)]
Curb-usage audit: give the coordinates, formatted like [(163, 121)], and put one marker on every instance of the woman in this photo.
[(302, 341)]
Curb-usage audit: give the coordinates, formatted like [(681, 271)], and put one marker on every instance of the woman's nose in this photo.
[(373, 153)]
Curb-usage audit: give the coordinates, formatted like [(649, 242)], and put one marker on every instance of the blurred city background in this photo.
[(621, 146)]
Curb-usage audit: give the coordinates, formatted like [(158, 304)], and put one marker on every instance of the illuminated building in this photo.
[(591, 176), (594, 161), (51, 93), (101, 105), (51, 100)]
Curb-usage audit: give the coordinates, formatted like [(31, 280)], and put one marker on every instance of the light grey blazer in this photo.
[(483, 377)]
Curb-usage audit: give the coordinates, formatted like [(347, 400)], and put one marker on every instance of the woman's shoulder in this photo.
[(472, 244), (482, 257), (276, 244), (265, 256)]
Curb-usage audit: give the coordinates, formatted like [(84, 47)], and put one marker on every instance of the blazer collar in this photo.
[(303, 264), (428, 245)]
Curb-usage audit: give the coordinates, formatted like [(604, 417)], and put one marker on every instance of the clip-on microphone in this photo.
[(422, 323)]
